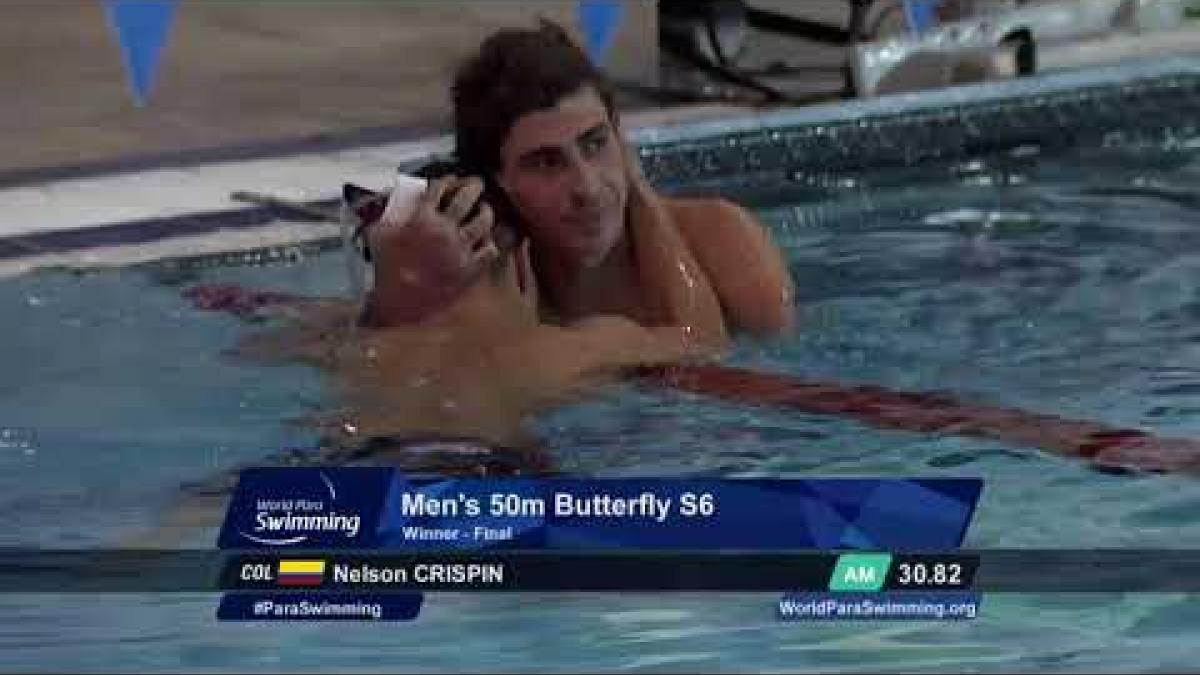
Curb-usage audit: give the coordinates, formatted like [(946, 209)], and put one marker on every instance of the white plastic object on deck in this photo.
[(998, 39)]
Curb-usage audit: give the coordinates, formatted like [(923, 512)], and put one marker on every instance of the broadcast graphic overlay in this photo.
[(365, 543)]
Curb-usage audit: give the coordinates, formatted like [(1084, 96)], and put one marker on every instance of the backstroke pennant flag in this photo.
[(921, 15), (141, 28), (599, 20)]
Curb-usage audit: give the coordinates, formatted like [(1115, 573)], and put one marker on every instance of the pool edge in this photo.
[(166, 212)]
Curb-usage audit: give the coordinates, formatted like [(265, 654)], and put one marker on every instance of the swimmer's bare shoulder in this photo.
[(743, 264)]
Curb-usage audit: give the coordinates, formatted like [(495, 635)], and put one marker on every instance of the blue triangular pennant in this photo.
[(599, 20), (141, 28), (921, 15)]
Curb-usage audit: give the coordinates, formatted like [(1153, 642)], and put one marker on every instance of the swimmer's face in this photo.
[(564, 170)]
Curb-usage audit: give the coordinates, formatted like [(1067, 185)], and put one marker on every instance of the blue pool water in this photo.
[(1063, 284)]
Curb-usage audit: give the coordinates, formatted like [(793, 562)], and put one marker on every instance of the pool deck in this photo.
[(177, 211), (267, 76), (250, 72), (285, 97)]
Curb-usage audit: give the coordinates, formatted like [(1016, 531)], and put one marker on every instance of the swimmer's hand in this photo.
[(422, 264)]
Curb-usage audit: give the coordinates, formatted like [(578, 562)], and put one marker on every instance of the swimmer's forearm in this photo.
[(676, 288), (673, 344), (612, 344)]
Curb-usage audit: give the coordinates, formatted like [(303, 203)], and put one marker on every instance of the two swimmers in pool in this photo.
[(546, 263), (538, 138), (552, 263)]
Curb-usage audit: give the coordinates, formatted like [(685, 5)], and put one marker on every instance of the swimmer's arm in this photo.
[(676, 288), (610, 344), (746, 268)]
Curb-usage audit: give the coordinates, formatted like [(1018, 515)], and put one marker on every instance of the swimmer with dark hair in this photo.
[(541, 259), (449, 394)]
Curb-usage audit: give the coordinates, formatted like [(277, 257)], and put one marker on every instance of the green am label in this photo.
[(860, 571)]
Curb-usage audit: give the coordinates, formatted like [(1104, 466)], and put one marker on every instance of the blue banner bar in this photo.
[(319, 607), (364, 508)]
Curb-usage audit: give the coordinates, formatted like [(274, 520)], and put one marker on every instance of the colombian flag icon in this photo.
[(301, 572)]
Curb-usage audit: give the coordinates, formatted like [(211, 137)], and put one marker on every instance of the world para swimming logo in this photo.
[(298, 507)]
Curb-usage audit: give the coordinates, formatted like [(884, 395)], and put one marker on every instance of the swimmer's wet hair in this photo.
[(516, 72)]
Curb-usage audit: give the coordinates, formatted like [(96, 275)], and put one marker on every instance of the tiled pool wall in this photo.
[(1156, 102)]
